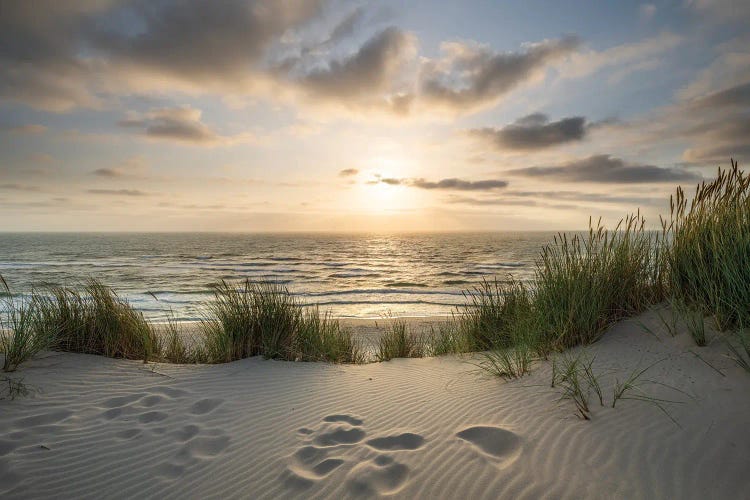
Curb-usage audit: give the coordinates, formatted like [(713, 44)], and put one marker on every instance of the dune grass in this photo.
[(398, 341), (447, 338), (322, 338), (21, 334), (709, 256), (740, 352), (586, 283), (95, 320), (492, 312), (250, 319)]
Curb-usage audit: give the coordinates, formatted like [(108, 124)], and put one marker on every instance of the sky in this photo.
[(347, 115)]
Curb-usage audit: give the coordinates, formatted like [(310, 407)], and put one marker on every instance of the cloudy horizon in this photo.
[(331, 115)]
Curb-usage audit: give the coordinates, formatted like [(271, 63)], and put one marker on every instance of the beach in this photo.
[(437, 427)]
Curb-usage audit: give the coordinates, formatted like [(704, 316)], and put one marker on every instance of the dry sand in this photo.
[(418, 428)]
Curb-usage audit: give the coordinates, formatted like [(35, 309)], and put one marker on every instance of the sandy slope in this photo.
[(428, 428)]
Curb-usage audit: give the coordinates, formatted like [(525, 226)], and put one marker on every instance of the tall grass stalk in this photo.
[(21, 334), (492, 312), (740, 353), (321, 338), (447, 338), (250, 319), (398, 341), (95, 321), (708, 259), (586, 283)]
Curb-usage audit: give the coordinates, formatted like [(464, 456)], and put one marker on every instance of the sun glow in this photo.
[(381, 191)]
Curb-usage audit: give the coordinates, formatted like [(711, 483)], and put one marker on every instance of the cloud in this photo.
[(552, 199), (347, 26), (19, 187), (60, 55), (733, 97), (25, 129), (624, 58), (717, 140), (176, 124), (118, 192), (604, 168), (202, 40), (717, 125), (369, 73), (348, 172), (469, 75), (133, 167), (108, 172), (533, 132), (453, 184)]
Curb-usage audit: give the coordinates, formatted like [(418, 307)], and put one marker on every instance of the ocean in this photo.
[(350, 275)]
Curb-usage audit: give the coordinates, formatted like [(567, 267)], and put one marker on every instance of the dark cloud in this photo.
[(469, 76), (18, 187), (348, 172), (118, 192), (107, 172), (556, 199), (737, 96), (202, 40), (198, 42), (717, 126), (38, 43), (460, 185), (368, 70), (347, 25), (25, 129), (604, 168), (447, 184), (534, 132), (177, 124), (59, 55), (718, 154)]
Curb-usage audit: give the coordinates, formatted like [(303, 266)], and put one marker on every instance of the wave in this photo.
[(406, 284), (386, 303), (354, 275), (456, 282), (380, 291)]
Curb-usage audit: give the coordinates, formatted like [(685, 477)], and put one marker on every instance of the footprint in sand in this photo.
[(198, 446), (128, 434), (339, 435), (205, 406), (43, 419), (343, 435), (152, 416), (379, 476), (151, 401), (405, 441), (499, 445)]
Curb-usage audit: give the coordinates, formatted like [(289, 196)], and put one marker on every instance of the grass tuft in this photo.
[(95, 321), (22, 335), (709, 256), (321, 338), (398, 341)]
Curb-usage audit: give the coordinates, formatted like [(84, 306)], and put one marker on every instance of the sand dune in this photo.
[(427, 428)]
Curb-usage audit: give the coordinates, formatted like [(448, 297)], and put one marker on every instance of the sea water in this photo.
[(350, 275)]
